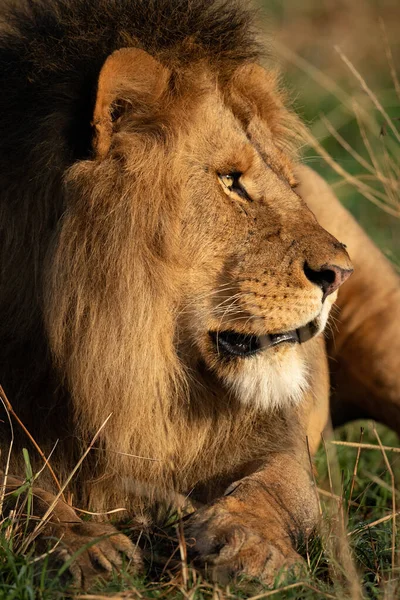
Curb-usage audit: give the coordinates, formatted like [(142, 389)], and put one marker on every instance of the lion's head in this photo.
[(184, 261), (185, 241)]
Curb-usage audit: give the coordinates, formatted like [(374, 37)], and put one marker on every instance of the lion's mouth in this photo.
[(242, 345)]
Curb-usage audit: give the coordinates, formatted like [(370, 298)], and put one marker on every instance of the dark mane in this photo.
[(51, 53), (51, 56)]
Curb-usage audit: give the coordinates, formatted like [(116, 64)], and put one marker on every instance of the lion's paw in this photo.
[(93, 550), (231, 544)]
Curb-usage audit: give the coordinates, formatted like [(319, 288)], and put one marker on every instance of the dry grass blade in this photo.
[(353, 479), (369, 92), (313, 477), (7, 467), (324, 81), (373, 169), (334, 532), (98, 514), (361, 161), (49, 511), (131, 595), (390, 184), (127, 454), (374, 523), (389, 57), (334, 496), (328, 465), (365, 446), (183, 552), (379, 481), (11, 411), (316, 74), (389, 467), (367, 191)]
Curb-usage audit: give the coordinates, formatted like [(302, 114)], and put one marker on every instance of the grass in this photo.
[(329, 51), (356, 494), (355, 146)]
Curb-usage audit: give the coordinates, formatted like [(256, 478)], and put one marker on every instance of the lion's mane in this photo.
[(87, 286)]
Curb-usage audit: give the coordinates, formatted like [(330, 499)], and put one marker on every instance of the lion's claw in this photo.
[(231, 544), (94, 550)]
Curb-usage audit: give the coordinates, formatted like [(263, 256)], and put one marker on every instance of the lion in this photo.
[(165, 283)]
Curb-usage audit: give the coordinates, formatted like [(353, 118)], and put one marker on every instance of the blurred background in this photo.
[(339, 59)]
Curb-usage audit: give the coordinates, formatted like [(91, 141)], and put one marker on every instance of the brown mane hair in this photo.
[(90, 272)]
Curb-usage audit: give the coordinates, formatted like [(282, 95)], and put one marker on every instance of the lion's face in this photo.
[(257, 272), (260, 273)]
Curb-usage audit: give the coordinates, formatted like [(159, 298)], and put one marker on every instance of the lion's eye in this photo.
[(231, 181)]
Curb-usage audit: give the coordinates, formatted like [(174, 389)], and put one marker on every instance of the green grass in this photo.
[(366, 497)]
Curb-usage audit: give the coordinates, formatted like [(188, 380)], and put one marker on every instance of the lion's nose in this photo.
[(327, 277)]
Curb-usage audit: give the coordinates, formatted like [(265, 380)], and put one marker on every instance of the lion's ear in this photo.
[(129, 78), (257, 97), (255, 91)]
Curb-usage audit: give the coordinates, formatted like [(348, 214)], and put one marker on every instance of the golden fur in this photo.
[(150, 258), (135, 276)]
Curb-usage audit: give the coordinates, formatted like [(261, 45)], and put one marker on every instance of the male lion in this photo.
[(159, 264)]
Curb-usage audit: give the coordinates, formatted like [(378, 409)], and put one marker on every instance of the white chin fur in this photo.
[(270, 380)]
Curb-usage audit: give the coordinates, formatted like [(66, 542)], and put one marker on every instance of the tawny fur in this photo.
[(111, 277)]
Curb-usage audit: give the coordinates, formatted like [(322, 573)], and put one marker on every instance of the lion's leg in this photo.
[(254, 528), (68, 534), (365, 348)]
